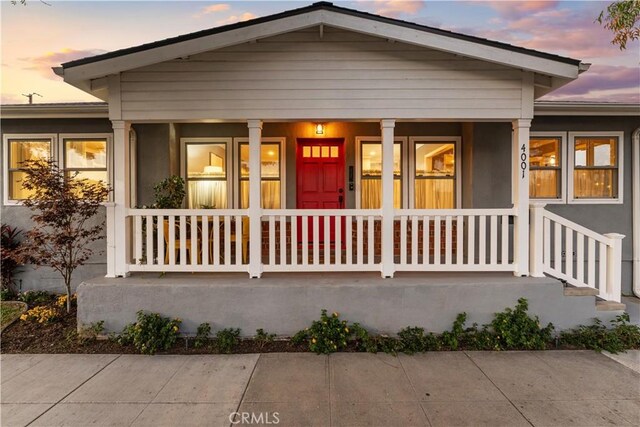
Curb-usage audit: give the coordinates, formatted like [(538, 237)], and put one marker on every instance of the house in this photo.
[(411, 163)]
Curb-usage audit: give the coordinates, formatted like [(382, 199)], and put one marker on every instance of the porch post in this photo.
[(120, 234), (387, 129), (255, 206), (520, 194), (536, 240)]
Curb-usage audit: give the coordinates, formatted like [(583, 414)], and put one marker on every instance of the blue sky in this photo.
[(36, 36)]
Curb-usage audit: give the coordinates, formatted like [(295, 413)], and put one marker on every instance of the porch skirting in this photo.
[(284, 303)]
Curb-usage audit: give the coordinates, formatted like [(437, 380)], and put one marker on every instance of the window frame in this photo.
[(457, 141), (403, 140), (571, 167), (563, 165), (6, 138), (62, 155), (237, 175), (228, 141)]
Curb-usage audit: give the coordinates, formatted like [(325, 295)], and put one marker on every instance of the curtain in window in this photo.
[(371, 193), (435, 194), (207, 194), (543, 184), (270, 194), (597, 184)]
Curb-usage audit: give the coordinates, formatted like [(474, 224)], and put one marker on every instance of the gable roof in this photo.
[(81, 71)]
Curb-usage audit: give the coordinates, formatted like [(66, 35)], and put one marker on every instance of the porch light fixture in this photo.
[(319, 129)]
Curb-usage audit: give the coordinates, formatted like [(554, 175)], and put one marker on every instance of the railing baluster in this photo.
[(195, 253), (482, 240), (183, 240), (294, 240), (337, 245), (149, 224), (216, 240), (493, 246), (403, 240), (272, 240), (305, 240), (504, 246), (316, 240), (348, 240), (283, 240), (591, 262), (227, 240), (447, 239), (568, 251), (360, 239), (547, 243), (602, 270), (459, 239), (239, 242), (471, 240), (425, 240), (172, 240), (138, 238), (437, 247), (414, 240), (557, 249), (580, 257), (205, 240), (370, 251), (161, 249), (327, 239)]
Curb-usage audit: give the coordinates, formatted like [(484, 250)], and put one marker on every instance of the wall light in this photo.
[(319, 129)]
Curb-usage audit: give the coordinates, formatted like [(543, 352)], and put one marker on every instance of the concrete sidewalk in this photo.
[(561, 388)]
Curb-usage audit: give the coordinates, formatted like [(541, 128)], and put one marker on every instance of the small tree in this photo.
[(622, 18), (169, 193), (63, 205)]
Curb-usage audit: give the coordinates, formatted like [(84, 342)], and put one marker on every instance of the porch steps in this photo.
[(575, 291), (602, 305)]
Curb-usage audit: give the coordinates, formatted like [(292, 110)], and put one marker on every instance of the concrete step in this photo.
[(602, 305), (579, 291)]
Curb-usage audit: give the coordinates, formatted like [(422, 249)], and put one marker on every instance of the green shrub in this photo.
[(262, 338), (227, 339), (202, 335), (7, 294), (621, 336), (412, 339), (451, 339), (150, 333), (514, 329), (169, 193), (327, 335), (36, 297)]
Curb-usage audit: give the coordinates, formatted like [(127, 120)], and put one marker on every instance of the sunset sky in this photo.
[(37, 36)]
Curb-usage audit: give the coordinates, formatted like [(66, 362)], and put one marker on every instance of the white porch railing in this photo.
[(321, 240), (189, 240), (564, 249), (454, 240)]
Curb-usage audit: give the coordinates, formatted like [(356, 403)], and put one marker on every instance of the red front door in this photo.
[(320, 178)]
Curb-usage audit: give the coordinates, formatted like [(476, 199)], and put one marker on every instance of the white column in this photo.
[(614, 267), (387, 129), (255, 206), (121, 199), (536, 240), (520, 193)]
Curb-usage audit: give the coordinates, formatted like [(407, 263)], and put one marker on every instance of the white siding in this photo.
[(344, 75)]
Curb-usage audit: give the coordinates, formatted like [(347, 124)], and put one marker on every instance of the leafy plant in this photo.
[(7, 295), (364, 341), (451, 339), (412, 339), (327, 335), (150, 333), (623, 20), (202, 335), (621, 336), (64, 208), (227, 339), (42, 314), (36, 297), (9, 264), (263, 338), (169, 193), (91, 332), (514, 329)]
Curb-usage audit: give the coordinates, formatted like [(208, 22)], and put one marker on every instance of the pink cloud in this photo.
[(516, 9), (43, 63), (604, 78), (214, 8), (237, 18), (394, 8)]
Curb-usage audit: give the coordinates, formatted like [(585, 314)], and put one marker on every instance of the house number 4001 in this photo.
[(523, 159)]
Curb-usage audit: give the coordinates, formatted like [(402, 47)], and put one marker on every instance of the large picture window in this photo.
[(206, 166), (371, 174), (270, 170), (597, 163), (546, 159), (17, 150), (435, 173)]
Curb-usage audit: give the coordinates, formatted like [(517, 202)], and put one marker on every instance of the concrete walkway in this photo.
[(560, 388)]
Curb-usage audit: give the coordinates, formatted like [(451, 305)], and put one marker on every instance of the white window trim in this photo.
[(53, 137), (403, 166), (457, 140), (563, 166), (229, 160), (571, 164), (107, 136), (282, 141)]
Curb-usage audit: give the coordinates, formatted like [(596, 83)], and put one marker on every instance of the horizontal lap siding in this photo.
[(346, 75)]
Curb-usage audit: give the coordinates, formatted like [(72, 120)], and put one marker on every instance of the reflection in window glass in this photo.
[(270, 173), (435, 175), (544, 158), (370, 181), (596, 168), (21, 150), (87, 158), (206, 175)]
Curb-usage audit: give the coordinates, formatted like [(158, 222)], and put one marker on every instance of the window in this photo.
[(206, 166), (435, 169), (87, 157), (596, 166), (371, 173), (19, 148), (546, 157), (271, 163)]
